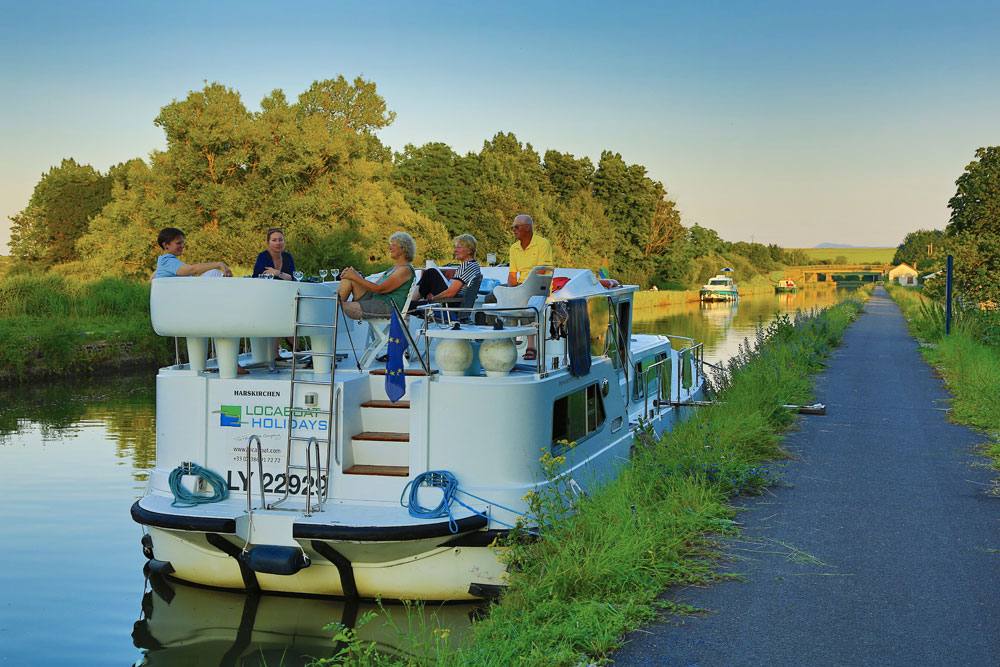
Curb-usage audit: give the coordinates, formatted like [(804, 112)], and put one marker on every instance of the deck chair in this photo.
[(531, 293), (537, 284), (379, 328), (445, 315)]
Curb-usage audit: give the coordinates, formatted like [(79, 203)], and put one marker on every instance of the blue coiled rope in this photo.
[(184, 498), (446, 481)]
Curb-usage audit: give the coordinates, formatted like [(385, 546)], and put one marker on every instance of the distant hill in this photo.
[(852, 254), (845, 245)]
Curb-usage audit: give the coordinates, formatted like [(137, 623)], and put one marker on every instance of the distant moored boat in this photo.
[(785, 285), (720, 288)]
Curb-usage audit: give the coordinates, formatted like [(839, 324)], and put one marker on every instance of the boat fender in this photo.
[(147, 546), (143, 638), (272, 559), (159, 585), (578, 328), (162, 567), (489, 592)]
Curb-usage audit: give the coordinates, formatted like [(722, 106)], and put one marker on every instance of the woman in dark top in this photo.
[(274, 260)]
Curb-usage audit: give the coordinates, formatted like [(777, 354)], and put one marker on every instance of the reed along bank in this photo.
[(604, 563), (52, 326)]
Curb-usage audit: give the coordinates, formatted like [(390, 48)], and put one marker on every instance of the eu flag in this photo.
[(395, 378)]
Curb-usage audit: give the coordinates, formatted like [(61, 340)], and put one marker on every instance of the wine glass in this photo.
[(334, 273), (298, 275), (322, 274)]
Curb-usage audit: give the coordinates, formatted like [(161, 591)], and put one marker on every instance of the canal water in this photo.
[(74, 457)]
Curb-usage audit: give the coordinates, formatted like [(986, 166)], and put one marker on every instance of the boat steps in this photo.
[(386, 403), (382, 436), (381, 448), (383, 416), (384, 471)]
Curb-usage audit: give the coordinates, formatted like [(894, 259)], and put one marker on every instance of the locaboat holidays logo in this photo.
[(269, 417), (229, 415)]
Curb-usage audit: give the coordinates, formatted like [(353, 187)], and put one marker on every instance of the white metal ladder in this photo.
[(314, 472)]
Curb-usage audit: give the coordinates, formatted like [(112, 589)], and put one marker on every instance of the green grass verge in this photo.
[(968, 358), (601, 569), (55, 326)]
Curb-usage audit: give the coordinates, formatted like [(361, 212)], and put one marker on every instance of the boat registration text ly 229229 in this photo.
[(277, 483)]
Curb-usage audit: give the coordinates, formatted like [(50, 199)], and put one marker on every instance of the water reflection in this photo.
[(186, 625), (722, 326), (124, 407)]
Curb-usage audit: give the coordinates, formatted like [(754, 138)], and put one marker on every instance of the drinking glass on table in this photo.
[(334, 273), (298, 275), (322, 274)]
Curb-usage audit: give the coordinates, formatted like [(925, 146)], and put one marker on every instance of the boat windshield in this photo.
[(718, 282)]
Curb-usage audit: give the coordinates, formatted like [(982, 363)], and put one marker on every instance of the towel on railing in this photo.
[(578, 328)]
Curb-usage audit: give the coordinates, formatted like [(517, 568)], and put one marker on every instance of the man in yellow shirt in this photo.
[(528, 251)]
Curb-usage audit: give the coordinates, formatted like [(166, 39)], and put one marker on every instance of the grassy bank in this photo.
[(968, 359), (599, 571), (53, 326)]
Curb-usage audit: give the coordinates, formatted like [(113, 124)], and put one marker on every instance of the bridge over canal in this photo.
[(838, 273)]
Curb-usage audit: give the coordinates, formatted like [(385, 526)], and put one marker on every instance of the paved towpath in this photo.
[(882, 547)]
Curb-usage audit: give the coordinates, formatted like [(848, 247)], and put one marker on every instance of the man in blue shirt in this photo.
[(171, 241)]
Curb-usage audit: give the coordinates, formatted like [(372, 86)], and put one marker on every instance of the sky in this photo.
[(794, 123)]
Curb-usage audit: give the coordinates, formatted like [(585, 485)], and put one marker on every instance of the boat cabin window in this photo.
[(577, 415), (718, 282)]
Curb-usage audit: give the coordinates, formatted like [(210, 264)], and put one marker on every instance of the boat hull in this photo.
[(434, 571), (718, 295)]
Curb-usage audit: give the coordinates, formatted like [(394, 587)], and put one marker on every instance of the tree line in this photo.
[(315, 168), (972, 235)]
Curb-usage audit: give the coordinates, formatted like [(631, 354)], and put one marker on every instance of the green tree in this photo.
[(228, 174), (566, 175), (509, 181), (923, 249), (580, 225), (59, 213), (976, 204), (705, 241), (439, 183), (977, 264), (630, 199)]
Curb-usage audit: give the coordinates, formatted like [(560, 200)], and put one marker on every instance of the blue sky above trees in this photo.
[(776, 122)]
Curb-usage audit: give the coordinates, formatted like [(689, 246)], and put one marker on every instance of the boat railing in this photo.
[(695, 356), (673, 336), (314, 441), (536, 318), (527, 312), (621, 341), (260, 472), (658, 402)]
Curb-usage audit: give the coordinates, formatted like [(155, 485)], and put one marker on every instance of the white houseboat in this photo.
[(720, 288), (303, 477)]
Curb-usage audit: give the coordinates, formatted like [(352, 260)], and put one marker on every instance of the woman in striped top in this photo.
[(433, 284)]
